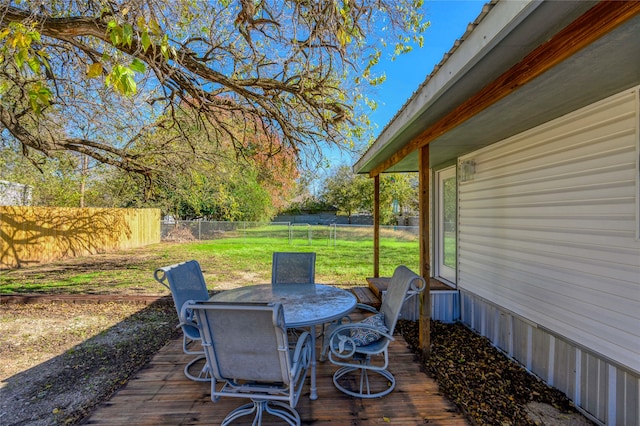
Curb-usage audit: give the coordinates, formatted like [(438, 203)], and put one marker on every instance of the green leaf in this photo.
[(146, 41), (164, 47), (34, 35), (20, 57), (130, 85), (34, 64), (44, 59), (115, 32), (44, 95), (127, 34), (39, 96), (121, 78), (115, 38), (138, 66)]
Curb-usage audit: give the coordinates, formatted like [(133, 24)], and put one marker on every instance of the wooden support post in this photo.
[(425, 260), (376, 226)]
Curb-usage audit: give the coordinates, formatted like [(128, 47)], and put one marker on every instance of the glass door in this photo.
[(447, 241)]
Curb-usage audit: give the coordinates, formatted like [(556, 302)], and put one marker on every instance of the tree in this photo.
[(219, 188), (352, 193), (290, 70), (348, 192), (398, 189), (54, 181)]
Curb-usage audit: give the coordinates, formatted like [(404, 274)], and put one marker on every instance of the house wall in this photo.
[(14, 194), (549, 255)]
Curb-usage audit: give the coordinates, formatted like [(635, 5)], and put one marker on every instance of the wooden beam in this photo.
[(376, 226), (424, 174), (595, 23)]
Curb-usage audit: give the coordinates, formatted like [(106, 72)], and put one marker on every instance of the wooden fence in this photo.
[(42, 234)]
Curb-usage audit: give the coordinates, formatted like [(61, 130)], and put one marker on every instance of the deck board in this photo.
[(161, 394)]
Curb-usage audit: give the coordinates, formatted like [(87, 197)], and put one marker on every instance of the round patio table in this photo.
[(304, 305)]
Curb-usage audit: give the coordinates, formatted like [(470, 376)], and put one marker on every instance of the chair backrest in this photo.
[(402, 281), (293, 268), (245, 342), (186, 282)]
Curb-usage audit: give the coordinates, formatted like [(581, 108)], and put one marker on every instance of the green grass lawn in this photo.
[(225, 262)]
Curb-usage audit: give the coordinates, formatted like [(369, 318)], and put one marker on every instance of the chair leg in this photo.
[(187, 342), (287, 413), (243, 410), (275, 408), (203, 374), (364, 390)]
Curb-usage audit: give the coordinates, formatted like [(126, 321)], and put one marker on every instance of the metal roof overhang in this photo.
[(509, 32)]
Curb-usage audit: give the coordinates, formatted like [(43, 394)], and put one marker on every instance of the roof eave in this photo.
[(458, 76)]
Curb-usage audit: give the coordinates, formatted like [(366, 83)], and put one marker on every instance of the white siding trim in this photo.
[(637, 104)]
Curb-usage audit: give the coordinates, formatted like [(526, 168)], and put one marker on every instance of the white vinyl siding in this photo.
[(548, 227)]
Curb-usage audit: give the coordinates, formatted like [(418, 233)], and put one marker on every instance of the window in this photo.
[(446, 244)]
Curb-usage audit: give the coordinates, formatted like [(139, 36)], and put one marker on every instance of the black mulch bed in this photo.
[(487, 386)]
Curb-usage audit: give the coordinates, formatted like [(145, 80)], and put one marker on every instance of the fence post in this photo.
[(335, 234), (332, 234)]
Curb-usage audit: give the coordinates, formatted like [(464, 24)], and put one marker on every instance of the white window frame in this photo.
[(443, 271)]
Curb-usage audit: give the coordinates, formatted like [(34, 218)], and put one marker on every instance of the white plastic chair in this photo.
[(186, 283), (246, 346), (353, 345)]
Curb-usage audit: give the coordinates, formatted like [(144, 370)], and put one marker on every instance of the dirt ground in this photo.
[(59, 360)]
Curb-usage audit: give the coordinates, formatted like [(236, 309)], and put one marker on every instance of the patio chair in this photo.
[(246, 346), (353, 345), (293, 268), (186, 283)]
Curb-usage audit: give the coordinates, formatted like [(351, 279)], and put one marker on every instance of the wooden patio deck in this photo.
[(161, 395)]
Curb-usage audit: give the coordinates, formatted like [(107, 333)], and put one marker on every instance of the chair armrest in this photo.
[(347, 319), (343, 346), (366, 308), (186, 316), (301, 355), (303, 340), (415, 289)]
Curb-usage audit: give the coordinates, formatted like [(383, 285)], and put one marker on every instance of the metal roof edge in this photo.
[(496, 20)]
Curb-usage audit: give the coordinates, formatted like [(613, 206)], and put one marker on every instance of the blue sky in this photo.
[(449, 20)]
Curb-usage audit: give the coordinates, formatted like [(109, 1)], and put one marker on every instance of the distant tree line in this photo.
[(227, 190), (350, 194)]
